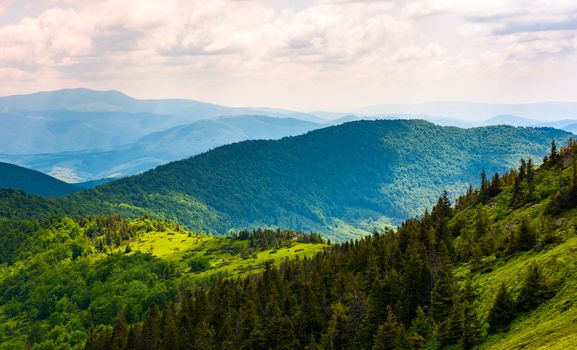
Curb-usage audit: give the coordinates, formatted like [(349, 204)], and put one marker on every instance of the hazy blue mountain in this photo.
[(86, 100), (512, 120), (161, 147), (30, 181), (29, 132)]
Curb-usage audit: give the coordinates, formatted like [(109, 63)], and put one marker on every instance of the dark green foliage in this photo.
[(31, 181), (502, 312), (396, 289), (391, 334), (362, 174), (535, 290)]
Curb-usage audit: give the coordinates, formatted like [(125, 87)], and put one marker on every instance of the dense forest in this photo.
[(61, 276), (342, 181), (459, 276)]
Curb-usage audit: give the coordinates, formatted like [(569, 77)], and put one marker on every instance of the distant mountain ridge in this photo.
[(476, 112), (34, 182), (87, 100), (161, 147), (82, 119)]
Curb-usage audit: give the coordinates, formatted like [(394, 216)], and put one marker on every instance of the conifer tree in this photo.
[(119, 333), (169, 329), (471, 325), (451, 329), (337, 335), (151, 330), (525, 237), (286, 338), (421, 331), (391, 334), (495, 186), (530, 178), (502, 312), (203, 337), (535, 289), (443, 293)]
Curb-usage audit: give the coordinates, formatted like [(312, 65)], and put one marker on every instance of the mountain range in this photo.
[(79, 135), (160, 147), (342, 181)]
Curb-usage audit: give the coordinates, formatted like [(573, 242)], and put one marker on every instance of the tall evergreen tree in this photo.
[(391, 334), (535, 289), (502, 312), (151, 330), (119, 333)]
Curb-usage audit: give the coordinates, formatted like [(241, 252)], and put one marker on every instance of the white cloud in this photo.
[(252, 52)]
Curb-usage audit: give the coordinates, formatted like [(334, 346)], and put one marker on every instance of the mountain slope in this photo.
[(161, 147), (494, 271), (15, 177), (92, 268), (364, 174)]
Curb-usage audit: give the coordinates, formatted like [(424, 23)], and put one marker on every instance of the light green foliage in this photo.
[(60, 277)]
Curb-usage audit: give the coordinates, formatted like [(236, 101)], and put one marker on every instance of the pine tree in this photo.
[(120, 333), (169, 329), (553, 154), (286, 338), (485, 187), (502, 312), (203, 337), (535, 289), (151, 330), (337, 335), (495, 187), (451, 329), (444, 288), (391, 334), (525, 237), (421, 331), (530, 178), (471, 330)]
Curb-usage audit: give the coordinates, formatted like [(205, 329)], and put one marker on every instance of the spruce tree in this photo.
[(391, 334), (535, 289), (151, 330), (119, 333), (502, 312)]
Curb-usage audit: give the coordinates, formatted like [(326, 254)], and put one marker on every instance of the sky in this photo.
[(307, 55)]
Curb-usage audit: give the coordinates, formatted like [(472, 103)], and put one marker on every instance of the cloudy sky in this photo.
[(303, 54)]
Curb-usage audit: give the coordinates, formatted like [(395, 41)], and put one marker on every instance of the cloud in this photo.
[(283, 53)]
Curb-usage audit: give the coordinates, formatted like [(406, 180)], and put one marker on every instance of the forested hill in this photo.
[(494, 271), (364, 174), (16, 177)]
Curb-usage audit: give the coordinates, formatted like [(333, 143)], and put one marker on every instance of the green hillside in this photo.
[(496, 271), (62, 276), (341, 181), (31, 181), (366, 174)]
